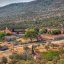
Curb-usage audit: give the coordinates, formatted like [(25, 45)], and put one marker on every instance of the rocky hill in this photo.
[(30, 11)]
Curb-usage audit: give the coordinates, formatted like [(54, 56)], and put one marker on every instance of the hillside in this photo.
[(31, 11)]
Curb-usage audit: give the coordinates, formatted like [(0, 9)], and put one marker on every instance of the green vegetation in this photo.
[(15, 56), (61, 61), (23, 56), (2, 35), (30, 15), (50, 55), (38, 16), (43, 30), (52, 22), (31, 33), (56, 32), (8, 34), (3, 60)]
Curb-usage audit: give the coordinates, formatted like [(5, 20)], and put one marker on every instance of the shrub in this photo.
[(49, 62), (50, 55), (20, 57), (61, 51), (43, 30), (61, 61), (4, 60), (55, 32), (2, 35), (47, 47), (8, 34), (15, 56), (13, 62)]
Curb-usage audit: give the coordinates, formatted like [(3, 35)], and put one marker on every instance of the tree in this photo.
[(36, 30), (37, 33), (31, 33)]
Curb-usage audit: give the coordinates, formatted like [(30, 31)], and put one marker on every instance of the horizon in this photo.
[(7, 2)]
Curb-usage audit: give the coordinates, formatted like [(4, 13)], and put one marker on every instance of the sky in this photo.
[(6, 2)]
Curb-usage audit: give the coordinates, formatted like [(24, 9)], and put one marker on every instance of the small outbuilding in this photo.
[(18, 31)]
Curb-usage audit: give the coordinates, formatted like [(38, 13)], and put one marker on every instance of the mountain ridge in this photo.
[(33, 6)]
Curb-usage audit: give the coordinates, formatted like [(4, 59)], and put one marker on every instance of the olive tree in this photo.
[(31, 33)]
